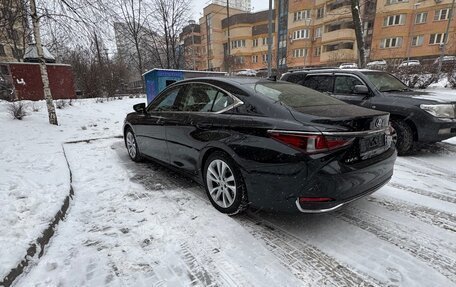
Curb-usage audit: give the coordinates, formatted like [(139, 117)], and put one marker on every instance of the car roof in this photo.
[(333, 70), (228, 80)]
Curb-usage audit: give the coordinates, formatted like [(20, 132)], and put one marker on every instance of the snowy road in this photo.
[(143, 225)]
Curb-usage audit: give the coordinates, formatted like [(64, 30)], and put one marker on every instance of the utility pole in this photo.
[(270, 40), (446, 37), (228, 44), (412, 30), (192, 25), (43, 68)]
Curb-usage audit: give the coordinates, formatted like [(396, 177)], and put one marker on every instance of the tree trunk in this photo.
[(43, 69), (359, 32)]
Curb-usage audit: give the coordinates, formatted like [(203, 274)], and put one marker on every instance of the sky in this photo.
[(198, 5)]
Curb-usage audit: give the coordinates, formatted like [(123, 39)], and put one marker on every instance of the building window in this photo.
[(265, 41), (301, 15), (391, 43), (317, 51), (421, 18), (417, 41), (255, 59), (437, 39), (320, 12), (301, 34), (442, 14), (318, 32), (237, 44), (265, 57), (299, 53), (255, 42), (394, 20), (396, 1)]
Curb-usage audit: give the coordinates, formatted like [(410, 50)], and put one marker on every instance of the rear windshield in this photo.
[(292, 95)]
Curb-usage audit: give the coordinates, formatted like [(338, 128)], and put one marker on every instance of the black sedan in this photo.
[(268, 144)]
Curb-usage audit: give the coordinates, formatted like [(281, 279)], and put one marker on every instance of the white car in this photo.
[(377, 65), (410, 63), (348, 66), (248, 72)]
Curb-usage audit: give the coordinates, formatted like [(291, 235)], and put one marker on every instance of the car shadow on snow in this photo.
[(153, 176)]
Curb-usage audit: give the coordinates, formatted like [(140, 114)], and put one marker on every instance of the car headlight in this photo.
[(440, 111)]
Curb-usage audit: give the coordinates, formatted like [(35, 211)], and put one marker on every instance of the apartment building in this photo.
[(212, 53), (414, 28), (306, 33), (246, 41), (13, 26), (244, 5), (192, 47), (322, 33)]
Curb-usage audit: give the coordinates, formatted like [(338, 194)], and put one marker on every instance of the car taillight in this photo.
[(310, 143)]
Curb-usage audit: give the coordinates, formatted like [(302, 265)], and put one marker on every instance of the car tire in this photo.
[(224, 184), (404, 143), (132, 145)]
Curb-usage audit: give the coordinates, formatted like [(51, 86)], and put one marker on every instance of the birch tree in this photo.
[(43, 69)]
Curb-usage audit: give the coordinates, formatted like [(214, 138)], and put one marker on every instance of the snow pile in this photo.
[(34, 178)]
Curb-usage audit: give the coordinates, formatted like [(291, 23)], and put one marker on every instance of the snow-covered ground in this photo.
[(142, 225), (34, 178)]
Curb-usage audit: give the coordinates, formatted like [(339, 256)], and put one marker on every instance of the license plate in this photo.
[(371, 143)]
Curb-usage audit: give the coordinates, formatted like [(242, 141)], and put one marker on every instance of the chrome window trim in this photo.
[(236, 101), (359, 133)]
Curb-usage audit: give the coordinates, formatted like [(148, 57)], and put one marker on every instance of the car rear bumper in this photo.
[(341, 182)]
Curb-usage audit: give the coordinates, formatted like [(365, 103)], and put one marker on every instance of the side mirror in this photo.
[(140, 108), (361, 90)]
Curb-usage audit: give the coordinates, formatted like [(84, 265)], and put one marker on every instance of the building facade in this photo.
[(414, 29), (244, 5), (13, 28)]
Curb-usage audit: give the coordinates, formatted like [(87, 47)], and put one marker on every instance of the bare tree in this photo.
[(132, 16), (171, 16), (43, 68), (356, 13)]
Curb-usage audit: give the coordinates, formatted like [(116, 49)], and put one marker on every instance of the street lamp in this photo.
[(192, 26)]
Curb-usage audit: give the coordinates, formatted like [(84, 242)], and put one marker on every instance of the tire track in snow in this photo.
[(306, 262), (417, 244), (439, 196), (425, 214), (426, 169)]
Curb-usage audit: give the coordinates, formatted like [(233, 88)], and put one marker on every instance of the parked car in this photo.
[(377, 65), (268, 144), (416, 116), (348, 66), (247, 72), (410, 63)]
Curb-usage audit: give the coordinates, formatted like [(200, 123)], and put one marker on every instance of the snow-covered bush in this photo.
[(452, 80), (35, 108), (17, 110), (61, 104)]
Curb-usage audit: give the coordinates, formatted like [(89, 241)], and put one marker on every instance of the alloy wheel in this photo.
[(221, 183), (131, 144)]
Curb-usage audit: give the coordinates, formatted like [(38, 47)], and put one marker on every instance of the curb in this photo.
[(38, 246)]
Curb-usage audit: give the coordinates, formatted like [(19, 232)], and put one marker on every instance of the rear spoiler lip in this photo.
[(338, 133)]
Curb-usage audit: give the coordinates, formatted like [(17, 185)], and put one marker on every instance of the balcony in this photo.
[(342, 55), (342, 34)]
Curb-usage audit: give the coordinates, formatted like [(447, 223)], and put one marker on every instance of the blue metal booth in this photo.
[(158, 79)]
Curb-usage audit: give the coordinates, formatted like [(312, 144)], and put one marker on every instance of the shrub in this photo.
[(17, 110), (35, 107), (61, 104)]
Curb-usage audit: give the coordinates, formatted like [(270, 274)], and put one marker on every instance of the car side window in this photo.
[(165, 102), (295, 78), (323, 83), (346, 85), (203, 98)]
